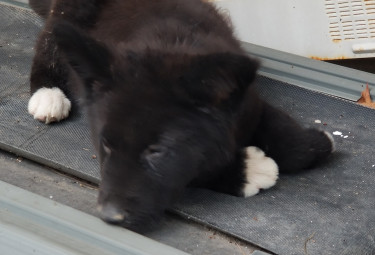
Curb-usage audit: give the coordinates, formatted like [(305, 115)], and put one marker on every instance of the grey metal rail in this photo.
[(311, 74), (31, 224)]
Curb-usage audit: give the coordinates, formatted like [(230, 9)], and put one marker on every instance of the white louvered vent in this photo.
[(351, 20)]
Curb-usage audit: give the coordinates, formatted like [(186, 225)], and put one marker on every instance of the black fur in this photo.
[(169, 98)]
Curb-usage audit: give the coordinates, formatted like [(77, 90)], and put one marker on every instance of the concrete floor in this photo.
[(174, 231)]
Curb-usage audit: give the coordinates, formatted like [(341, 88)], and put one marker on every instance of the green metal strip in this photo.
[(31, 224), (19, 3)]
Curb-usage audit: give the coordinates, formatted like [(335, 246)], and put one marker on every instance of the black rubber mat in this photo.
[(328, 210)]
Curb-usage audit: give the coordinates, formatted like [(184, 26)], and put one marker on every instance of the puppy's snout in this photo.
[(111, 213)]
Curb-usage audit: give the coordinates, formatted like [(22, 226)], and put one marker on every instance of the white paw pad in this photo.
[(49, 105), (261, 171)]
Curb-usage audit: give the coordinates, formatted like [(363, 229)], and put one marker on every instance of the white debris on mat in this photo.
[(338, 133), (318, 121)]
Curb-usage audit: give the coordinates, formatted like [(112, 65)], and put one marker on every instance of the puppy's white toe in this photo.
[(261, 172), (49, 105)]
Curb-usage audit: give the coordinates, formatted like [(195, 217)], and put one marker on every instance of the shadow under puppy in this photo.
[(168, 93)]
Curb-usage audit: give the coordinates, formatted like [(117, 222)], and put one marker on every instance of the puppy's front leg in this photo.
[(48, 81), (292, 146)]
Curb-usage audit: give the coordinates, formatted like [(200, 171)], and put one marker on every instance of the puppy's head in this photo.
[(158, 120)]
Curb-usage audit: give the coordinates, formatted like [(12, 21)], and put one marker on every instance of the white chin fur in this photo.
[(49, 105), (261, 172)]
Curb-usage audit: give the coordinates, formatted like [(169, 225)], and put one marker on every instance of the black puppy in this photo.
[(168, 93)]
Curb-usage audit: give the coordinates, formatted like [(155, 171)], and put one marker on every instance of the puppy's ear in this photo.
[(216, 78), (88, 58)]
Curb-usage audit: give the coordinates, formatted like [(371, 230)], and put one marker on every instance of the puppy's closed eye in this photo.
[(154, 157), (106, 146), (155, 152)]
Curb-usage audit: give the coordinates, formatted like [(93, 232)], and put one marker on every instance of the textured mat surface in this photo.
[(329, 210)]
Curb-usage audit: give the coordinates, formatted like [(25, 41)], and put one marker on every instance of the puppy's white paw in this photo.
[(261, 171), (49, 105)]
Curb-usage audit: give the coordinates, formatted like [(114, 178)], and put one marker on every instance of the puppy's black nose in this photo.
[(111, 214)]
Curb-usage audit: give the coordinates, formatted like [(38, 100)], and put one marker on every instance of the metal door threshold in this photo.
[(31, 224)]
